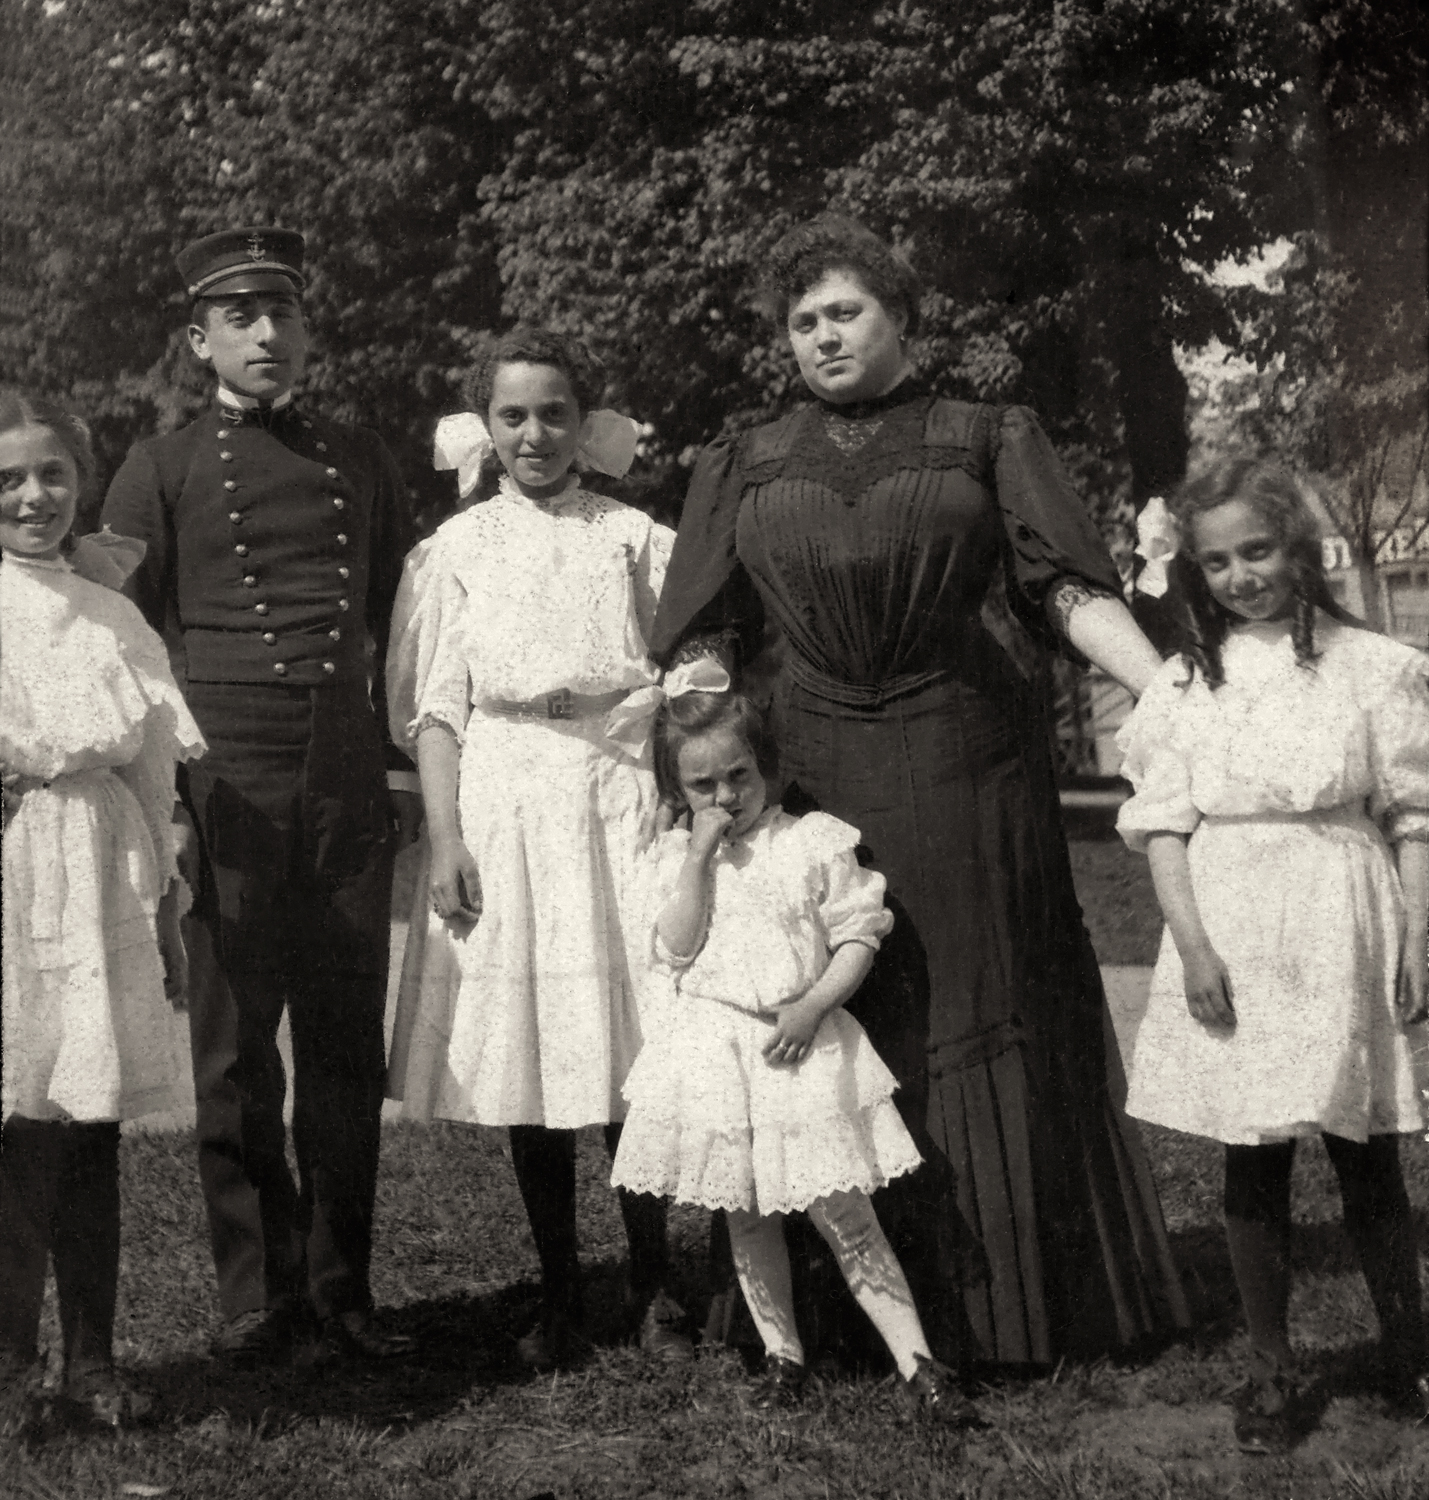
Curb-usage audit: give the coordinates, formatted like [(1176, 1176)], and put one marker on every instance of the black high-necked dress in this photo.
[(892, 544)]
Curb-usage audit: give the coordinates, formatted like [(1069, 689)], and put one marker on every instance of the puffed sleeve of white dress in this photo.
[(1399, 749), (440, 691), (1155, 759), (650, 566), (411, 642), (850, 898)]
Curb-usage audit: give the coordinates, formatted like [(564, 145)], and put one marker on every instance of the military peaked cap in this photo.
[(259, 258)]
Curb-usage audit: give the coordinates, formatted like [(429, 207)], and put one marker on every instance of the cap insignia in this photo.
[(255, 247)]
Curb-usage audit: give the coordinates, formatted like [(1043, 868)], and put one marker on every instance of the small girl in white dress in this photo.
[(524, 626), (758, 1093), (91, 727), (1281, 771)]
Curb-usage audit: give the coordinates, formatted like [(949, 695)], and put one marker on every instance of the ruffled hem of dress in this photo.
[(774, 1170)]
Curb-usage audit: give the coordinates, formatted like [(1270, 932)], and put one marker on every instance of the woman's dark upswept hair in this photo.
[(834, 242), (693, 714), (1274, 495), (28, 409)]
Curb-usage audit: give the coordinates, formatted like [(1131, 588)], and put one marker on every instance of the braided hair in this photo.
[(1275, 497)]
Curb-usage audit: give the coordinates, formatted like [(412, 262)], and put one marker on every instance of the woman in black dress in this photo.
[(893, 538)]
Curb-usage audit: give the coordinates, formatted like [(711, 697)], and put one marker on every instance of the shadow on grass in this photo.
[(464, 1344)]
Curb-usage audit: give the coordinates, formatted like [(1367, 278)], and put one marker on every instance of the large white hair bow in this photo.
[(1158, 539), (629, 723), (607, 443)]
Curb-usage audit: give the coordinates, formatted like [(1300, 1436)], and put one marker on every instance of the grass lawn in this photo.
[(454, 1262)]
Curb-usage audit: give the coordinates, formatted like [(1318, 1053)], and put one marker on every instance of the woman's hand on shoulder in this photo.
[(456, 883), (1208, 987)]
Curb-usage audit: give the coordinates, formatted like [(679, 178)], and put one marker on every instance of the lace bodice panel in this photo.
[(516, 598)]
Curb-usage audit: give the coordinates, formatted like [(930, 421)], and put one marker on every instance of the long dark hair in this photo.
[(1275, 497), (693, 714)]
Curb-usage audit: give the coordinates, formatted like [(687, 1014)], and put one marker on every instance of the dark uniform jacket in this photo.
[(279, 549)]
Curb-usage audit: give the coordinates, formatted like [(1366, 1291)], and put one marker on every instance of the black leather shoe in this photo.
[(23, 1406), (552, 1344), (351, 1336), (663, 1334), (107, 1398), (1269, 1414), (262, 1336), (934, 1393), (779, 1386)]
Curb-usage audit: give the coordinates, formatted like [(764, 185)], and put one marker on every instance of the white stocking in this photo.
[(761, 1261), (851, 1228)]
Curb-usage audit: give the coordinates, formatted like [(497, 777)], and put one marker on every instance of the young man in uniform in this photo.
[(275, 544)]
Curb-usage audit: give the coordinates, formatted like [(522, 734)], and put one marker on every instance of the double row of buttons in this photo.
[(250, 580)]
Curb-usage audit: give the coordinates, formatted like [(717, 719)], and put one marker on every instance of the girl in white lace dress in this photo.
[(1281, 768), (91, 726), (758, 1093), (525, 625)]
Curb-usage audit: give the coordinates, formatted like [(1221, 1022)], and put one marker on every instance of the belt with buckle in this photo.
[(562, 704)]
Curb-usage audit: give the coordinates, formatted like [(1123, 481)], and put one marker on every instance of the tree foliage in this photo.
[(1064, 173)]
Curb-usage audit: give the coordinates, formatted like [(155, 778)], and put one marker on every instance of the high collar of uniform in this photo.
[(236, 409)]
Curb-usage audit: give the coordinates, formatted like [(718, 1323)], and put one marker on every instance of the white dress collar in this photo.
[(548, 503)]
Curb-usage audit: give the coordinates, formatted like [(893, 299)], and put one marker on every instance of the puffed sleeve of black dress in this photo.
[(707, 591), (1052, 537)]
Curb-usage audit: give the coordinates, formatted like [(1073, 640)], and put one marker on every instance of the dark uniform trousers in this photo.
[(293, 910), (275, 546)]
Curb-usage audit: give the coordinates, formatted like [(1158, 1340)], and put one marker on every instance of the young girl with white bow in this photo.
[(1281, 767), (524, 626), (759, 1094)]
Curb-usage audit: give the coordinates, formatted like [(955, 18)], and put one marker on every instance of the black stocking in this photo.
[(1378, 1222), (1257, 1210), (545, 1163), (644, 1218)]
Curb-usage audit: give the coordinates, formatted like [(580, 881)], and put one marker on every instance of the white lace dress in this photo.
[(711, 1120), (90, 717), (537, 1022), (1292, 782)]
